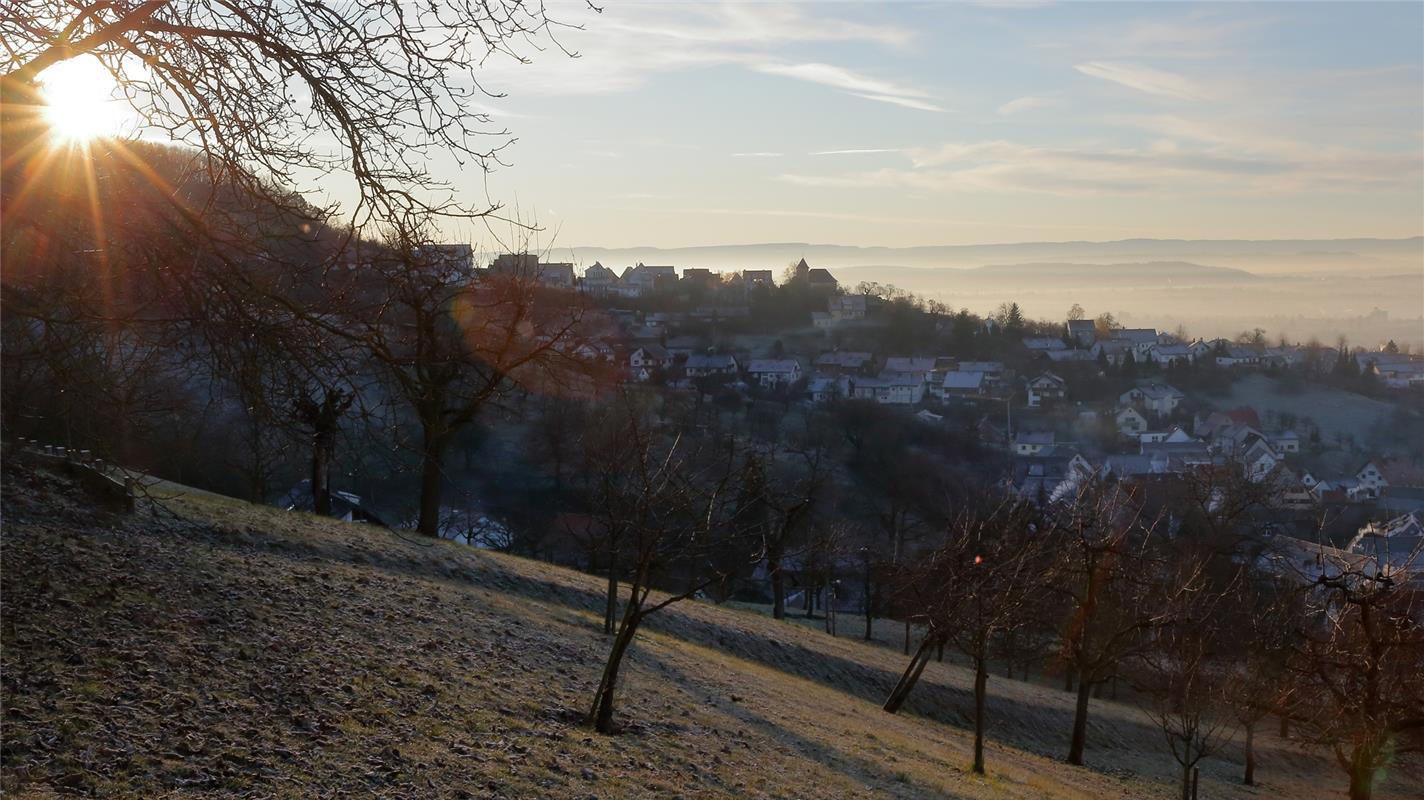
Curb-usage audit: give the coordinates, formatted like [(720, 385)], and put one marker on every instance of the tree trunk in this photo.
[(610, 609), (1362, 774), (907, 637), (909, 677), (432, 480), (322, 445), (867, 601), (1187, 781), (601, 715), (1009, 656), (778, 588), (1068, 680), (1080, 722), (981, 679), (1250, 777)]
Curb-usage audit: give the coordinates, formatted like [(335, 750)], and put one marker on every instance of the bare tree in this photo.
[(1359, 667), (1185, 669), (450, 343), (777, 496), (1104, 576), (677, 512), (973, 588)]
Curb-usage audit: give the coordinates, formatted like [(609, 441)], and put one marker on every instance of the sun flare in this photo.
[(79, 100)]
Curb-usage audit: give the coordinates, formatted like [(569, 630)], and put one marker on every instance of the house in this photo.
[(1303, 562), (912, 365), (1258, 460), (649, 278), (1039, 344), (1046, 389), (1157, 398), (1217, 420), (843, 362), (1141, 338), (528, 265), (772, 372), (701, 365), (1237, 356), (1028, 443), (1083, 330), (1371, 479), (815, 278), (1112, 352), (822, 319), (758, 277), (1050, 475), (824, 389), (1286, 442), (452, 260), (1130, 422), (1291, 491), (651, 358), (598, 279), (699, 276), (1060, 356), (962, 384), (1395, 547), (846, 306), (1171, 355), (890, 388)]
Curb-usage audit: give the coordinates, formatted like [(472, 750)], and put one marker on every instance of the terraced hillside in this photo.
[(205, 646)]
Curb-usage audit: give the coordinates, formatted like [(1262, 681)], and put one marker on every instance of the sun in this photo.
[(79, 102)]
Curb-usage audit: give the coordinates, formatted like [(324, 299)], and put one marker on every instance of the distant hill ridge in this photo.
[(773, 254)]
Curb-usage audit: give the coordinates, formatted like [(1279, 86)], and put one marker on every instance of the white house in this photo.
[(846, 306), (1045, 389), (651, 356), (1158, 398), (1130, 422), (1286, 442), (1371, 479), (1030, 443), (770, 372)]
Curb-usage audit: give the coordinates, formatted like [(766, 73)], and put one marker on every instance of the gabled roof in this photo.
[(963, 380), (909, 364), (710, 362), (1048, 378), (843, 358), (773, 365)]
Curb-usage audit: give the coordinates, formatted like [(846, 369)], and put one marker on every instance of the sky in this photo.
[(904, 124)]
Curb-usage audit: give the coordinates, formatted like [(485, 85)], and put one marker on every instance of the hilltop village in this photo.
[(1052, 403)]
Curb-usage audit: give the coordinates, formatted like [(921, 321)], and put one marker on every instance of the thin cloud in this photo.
[(856, 152), (1027, 103), (1144, 79), (863, 86), (1166, 166)]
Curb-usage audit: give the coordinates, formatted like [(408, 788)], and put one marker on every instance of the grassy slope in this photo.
[(225, 648)]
